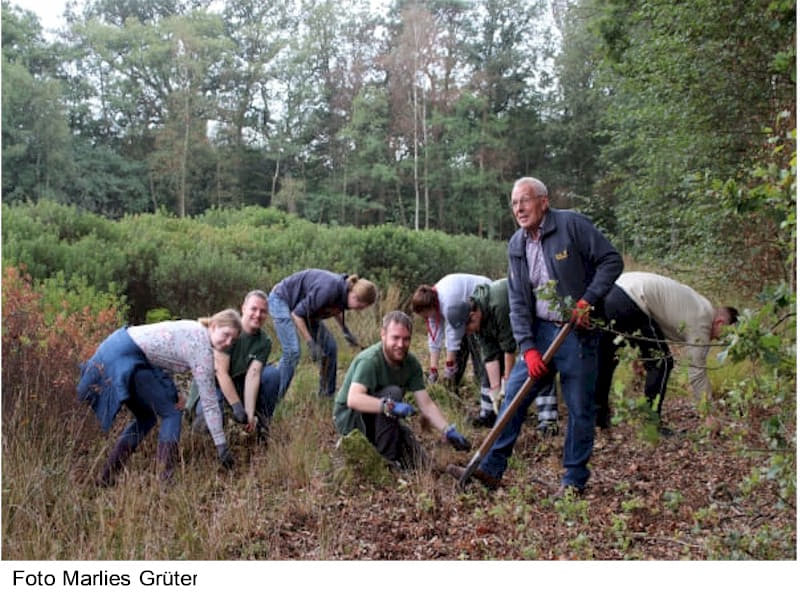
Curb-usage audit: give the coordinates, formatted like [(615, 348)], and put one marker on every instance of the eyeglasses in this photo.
[(527, 200)]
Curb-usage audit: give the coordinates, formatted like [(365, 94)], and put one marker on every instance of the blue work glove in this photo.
[(457, 441), (314, 350), (238, 413), (225, 456), (396, 409)]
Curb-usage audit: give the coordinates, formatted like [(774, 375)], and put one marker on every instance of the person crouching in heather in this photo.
[(486, 316), (371, 398), (245, 382), (131, 367), (432, 304)]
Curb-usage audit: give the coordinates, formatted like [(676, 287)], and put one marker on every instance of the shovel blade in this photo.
[(470, 469), (512, 407)]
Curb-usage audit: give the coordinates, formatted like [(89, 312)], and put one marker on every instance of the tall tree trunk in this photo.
[(402, 211), (184, 158), (344, 195), (152, 191), (275, 181), (219, 180), (416, 153), (425, 159)]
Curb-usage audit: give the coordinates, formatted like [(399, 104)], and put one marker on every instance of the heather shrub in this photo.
[(45, 336)]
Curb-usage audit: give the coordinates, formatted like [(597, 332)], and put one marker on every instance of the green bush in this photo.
[(157, 315), (61, 297), (197, 266)]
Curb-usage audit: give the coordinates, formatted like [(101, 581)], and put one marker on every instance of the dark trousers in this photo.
[(625, 317), (576, 363), (391, 438), (153, 395)]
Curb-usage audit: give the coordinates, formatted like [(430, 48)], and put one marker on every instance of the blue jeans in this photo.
[(576, 362), (153, 395), (290, 347), (266, 400)]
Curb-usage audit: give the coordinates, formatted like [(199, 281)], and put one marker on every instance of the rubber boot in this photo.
[(118, 457), (167, 454), (486, 417)]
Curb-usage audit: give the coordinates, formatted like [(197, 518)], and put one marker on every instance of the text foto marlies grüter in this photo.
[(103, 578)]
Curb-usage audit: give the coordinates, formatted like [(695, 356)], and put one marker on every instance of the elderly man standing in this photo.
[(565, 247)]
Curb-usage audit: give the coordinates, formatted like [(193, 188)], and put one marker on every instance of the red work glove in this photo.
[(536, 366), (450, 369), (581, 314)]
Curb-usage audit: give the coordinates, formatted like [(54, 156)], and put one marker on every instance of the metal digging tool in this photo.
[(501, 422)]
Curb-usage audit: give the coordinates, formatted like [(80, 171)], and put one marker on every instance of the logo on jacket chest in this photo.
[(562, 255)]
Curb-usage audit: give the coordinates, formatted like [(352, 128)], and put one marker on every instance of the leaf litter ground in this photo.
[(676, 497)]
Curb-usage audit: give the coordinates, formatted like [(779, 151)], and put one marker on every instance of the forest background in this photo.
[(161, 158)]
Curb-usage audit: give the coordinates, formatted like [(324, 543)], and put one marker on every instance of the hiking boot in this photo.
[(487, 480), (603, 421), (262, 434), (665, 431), (484, 419), (262, 426)]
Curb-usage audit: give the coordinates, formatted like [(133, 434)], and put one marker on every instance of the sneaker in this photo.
[(548, 429), (484, 419), (487, 480)]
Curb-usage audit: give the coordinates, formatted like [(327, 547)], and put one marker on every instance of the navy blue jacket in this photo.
[(314, 294), (580, 258), (105, 381)]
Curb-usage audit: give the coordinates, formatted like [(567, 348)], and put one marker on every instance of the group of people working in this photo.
[(504, 327), (227, 356)]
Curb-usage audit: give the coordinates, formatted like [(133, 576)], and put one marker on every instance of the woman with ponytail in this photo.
[(299, 303)]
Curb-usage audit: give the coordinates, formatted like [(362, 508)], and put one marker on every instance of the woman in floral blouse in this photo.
[(130, 367)]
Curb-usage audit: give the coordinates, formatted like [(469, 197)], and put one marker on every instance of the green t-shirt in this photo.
[(370, 369), (247, 348)]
